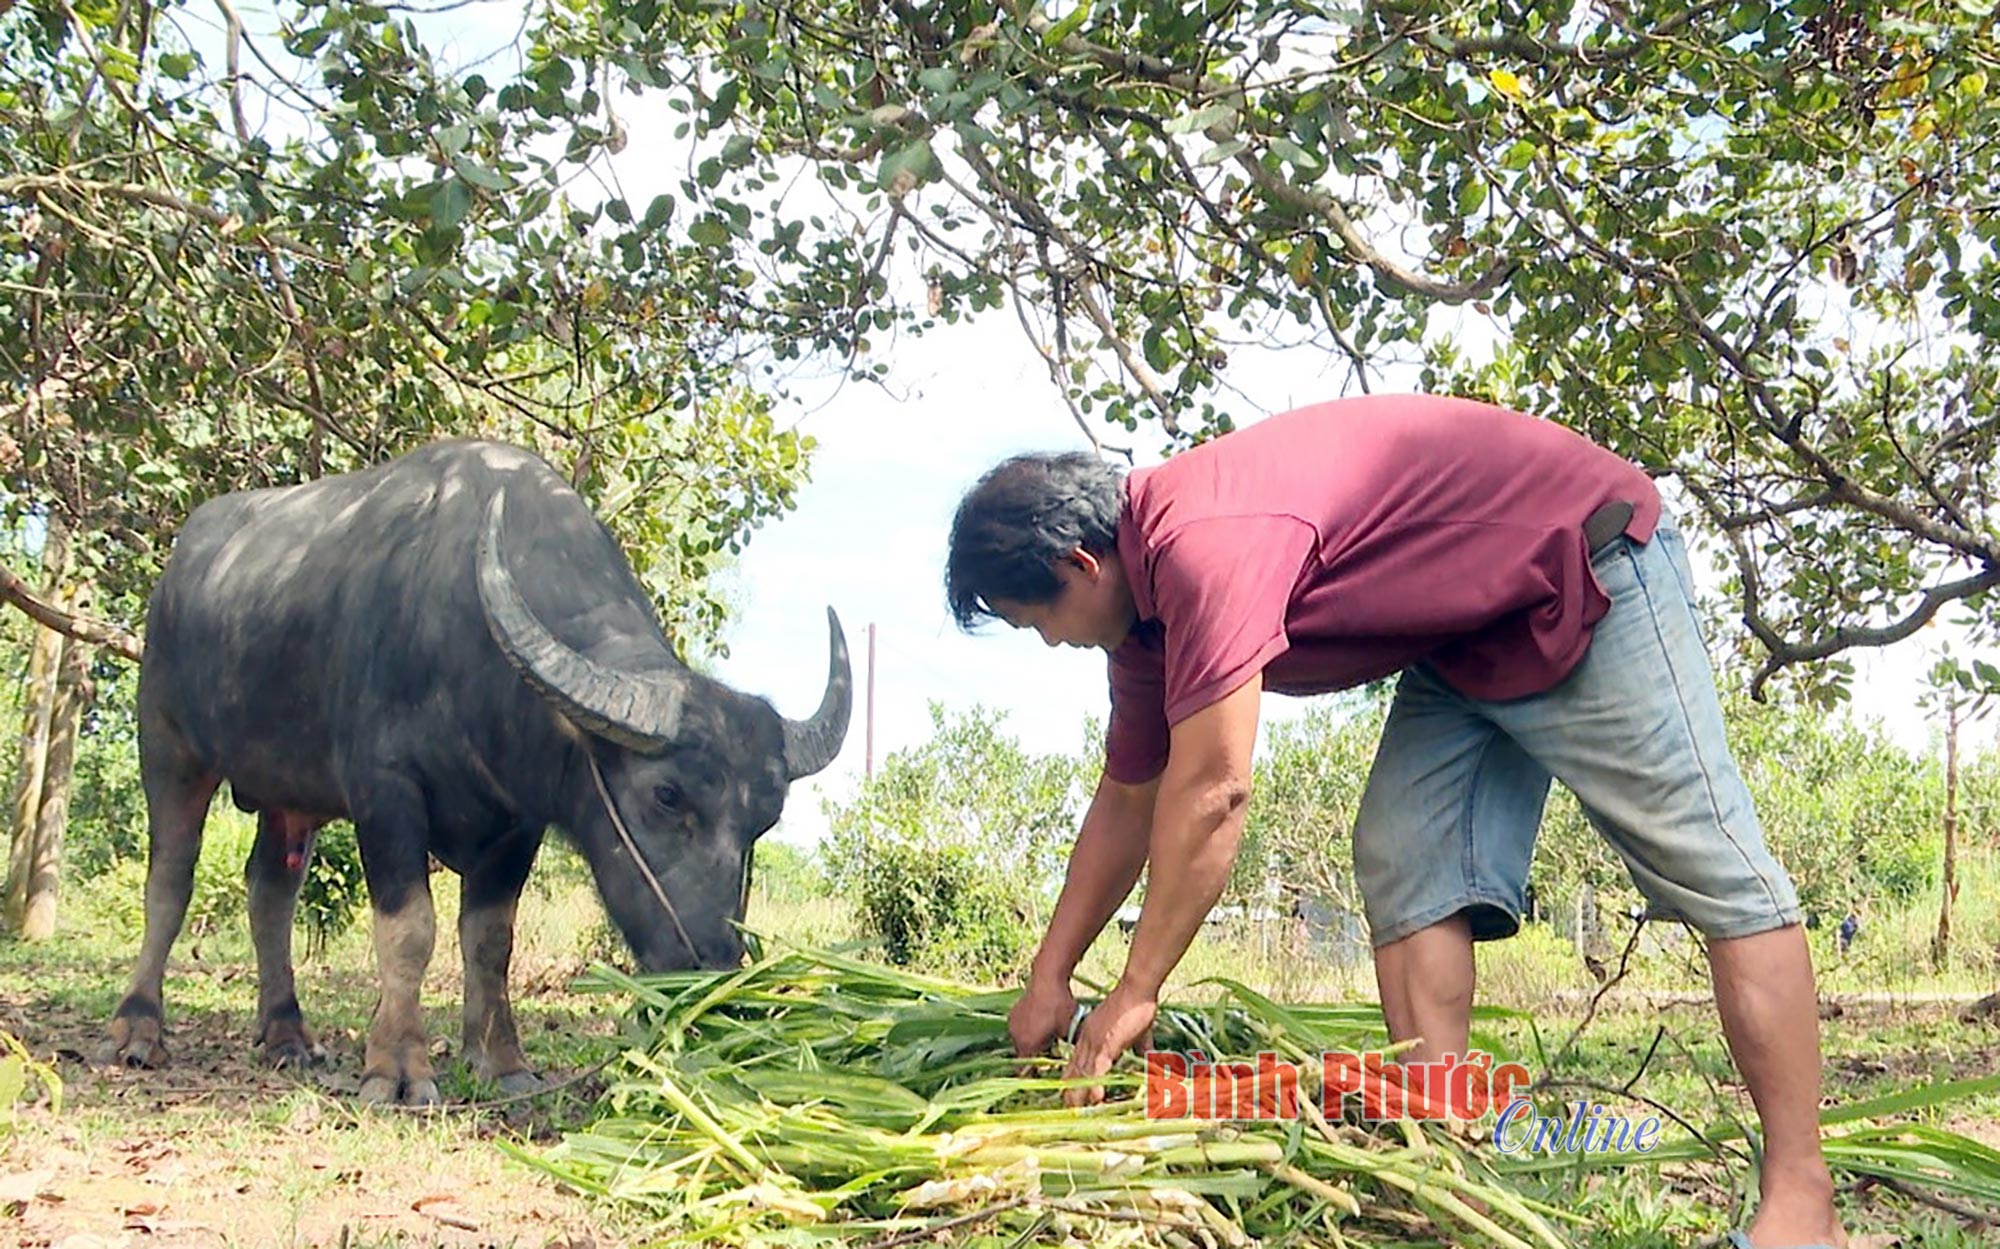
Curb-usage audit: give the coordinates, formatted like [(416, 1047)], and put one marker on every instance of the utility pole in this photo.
[(1941, 942), (868, 759)]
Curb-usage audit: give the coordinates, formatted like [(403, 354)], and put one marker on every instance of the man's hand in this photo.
[(1123, 1021), (1042, 1014)]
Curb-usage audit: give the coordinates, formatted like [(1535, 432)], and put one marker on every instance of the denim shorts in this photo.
[(1454, 801)]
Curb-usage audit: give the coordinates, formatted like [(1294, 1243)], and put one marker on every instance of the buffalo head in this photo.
[(693, 770)]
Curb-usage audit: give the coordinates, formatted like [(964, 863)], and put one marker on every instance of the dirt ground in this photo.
[(216, 1150)]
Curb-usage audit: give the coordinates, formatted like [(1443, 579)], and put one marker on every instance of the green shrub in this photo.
[(113, 897), (1305, 794), (334, 888), (107, 805), (936, 906), (788, 874), (111, 901), (952, 852), (221, 900)]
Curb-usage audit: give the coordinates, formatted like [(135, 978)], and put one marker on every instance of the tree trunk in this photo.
[(1941, 943), (44, 874), (1583, 933), (44, 664)]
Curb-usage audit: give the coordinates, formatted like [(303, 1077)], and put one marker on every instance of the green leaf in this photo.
[(1471, 194), (479, 175), (1222, 152), (1294, 155), (449, 203), (1201, 119), (659, 212), (619, 211), (1069, 25), (723, 107), (914, 160), (13, 1083), (710, 231)]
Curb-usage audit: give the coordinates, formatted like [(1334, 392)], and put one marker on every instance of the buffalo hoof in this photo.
[(519, 1083), (288, 1044), (392, 1090), (134, 1038), (294, 1053)]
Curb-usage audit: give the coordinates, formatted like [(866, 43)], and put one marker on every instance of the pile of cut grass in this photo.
[(810, 1098)]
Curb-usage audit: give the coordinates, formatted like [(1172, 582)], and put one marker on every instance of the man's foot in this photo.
[(1797, 1214)]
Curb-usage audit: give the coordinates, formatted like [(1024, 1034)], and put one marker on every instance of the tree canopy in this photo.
[(1748, 244), (302, 254)]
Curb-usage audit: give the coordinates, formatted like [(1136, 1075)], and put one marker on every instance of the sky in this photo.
[(868, 538), (868, 535)]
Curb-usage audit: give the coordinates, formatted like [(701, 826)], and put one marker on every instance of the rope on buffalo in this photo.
[(632, 848)]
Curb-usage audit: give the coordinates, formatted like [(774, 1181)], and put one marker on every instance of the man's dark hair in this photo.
[(1019, 521)]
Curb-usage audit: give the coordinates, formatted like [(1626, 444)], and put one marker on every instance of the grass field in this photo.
[(215, 1150)]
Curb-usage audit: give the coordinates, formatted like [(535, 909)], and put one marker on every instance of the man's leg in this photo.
[(1442, 842), (1636, 731), (1425, 981), (1764, 991)]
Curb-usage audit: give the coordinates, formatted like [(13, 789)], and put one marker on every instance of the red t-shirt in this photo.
[(1339, 543)]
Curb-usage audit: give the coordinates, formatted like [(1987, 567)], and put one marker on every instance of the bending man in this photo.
[(1539, 608)]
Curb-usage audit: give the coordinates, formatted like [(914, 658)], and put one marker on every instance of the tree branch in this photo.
[(1047, 228), (1055, 364), (1542, 51), (1730, 521), (82, 628), (1781, 653), (301, 329), (228, 225), (1849, 636), (320, 417), (1977, 546), (1924, 476), (1972, 1214), (1328, 209)]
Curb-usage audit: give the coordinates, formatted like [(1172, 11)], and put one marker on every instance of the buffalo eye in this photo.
[(670, 799)]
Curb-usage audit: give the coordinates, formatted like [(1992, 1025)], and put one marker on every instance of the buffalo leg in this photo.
[(177, 797), (395, 857), (488, 897), (276, 868)]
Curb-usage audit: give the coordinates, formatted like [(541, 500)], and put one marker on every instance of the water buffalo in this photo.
[(451, 651)]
